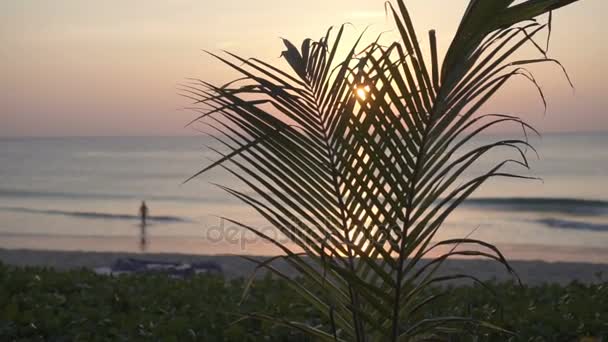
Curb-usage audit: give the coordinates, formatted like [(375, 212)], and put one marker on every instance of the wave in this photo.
[(575, 225), (76, 195), (572, 206), (97, 215), (556, 205)]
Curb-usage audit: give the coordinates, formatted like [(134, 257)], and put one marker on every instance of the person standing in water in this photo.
[(143, 213)]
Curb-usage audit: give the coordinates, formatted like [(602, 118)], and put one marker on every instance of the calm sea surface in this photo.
[(84, 194)]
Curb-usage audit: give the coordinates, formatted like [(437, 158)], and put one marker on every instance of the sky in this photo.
[(113, 67)]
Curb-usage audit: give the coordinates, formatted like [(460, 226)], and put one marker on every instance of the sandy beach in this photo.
[(531, 272)]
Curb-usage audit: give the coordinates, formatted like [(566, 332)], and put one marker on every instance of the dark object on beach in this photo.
[(174, 269), (143, 212)]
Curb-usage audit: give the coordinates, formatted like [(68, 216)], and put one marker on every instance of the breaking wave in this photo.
[(96, 215), (570, 206)]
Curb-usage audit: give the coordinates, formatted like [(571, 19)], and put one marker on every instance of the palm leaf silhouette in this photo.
[(359, 160)]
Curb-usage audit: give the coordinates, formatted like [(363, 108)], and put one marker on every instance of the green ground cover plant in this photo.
[(39, 304)]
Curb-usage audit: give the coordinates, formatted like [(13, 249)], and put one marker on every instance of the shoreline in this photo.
[(531, 272), (199, 245)]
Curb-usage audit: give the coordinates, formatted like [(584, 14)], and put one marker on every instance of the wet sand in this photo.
[(531, 272)]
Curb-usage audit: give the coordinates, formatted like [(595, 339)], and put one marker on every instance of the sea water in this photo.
[(84, 194)]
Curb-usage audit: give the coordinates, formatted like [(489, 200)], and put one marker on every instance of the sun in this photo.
[(362, 91)]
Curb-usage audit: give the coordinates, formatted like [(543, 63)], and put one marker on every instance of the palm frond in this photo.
[(360, 159)]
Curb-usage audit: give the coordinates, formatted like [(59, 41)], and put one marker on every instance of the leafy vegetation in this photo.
[(360, 159), (45, 305)]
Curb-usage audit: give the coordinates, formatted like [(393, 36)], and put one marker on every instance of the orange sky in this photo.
[(83, 67)]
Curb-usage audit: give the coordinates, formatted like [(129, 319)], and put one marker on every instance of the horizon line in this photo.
[(9, 137)]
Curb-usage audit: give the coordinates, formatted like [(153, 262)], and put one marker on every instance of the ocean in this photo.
[(84, 194)]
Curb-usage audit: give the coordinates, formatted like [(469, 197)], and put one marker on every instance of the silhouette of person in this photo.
[(143, 213)]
